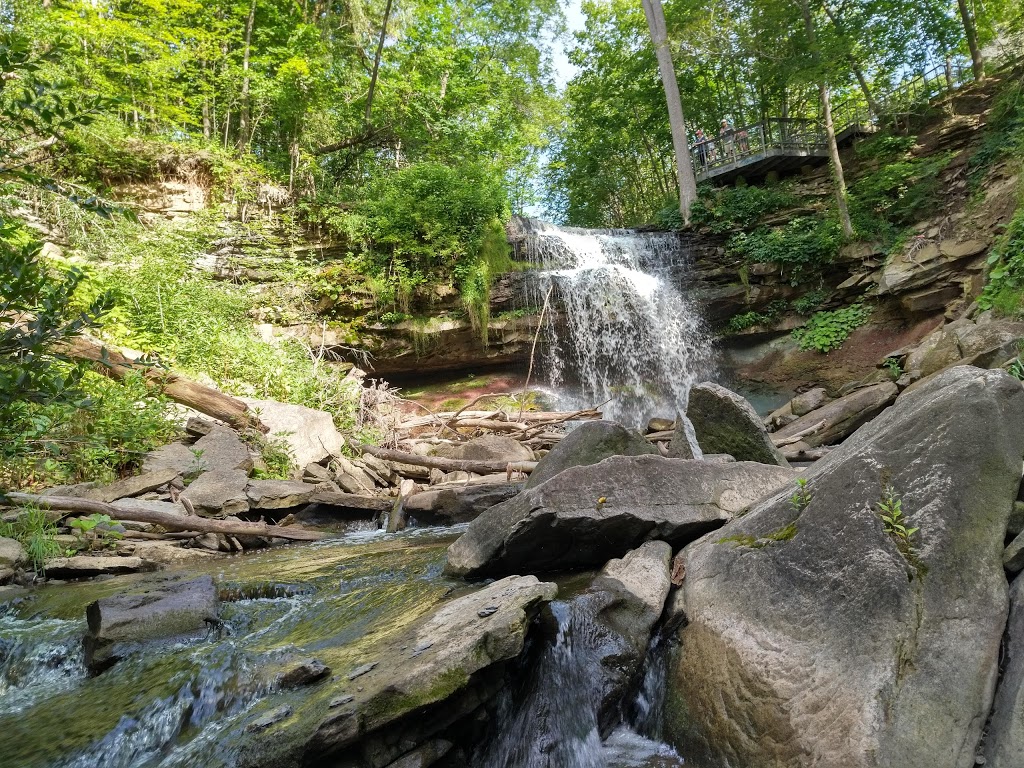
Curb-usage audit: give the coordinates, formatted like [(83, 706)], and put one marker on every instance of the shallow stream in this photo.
[(187, 705)]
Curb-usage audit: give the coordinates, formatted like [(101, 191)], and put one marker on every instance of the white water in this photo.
[(618, 330)]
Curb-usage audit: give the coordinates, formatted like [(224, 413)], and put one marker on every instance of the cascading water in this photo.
[(618, 329)]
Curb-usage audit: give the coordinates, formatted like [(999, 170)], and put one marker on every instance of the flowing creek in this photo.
[(187, 704)]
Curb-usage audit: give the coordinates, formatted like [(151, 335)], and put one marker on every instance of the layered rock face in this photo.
[(811, 636)]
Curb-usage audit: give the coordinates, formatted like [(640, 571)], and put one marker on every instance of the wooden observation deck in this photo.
[(787, 144)]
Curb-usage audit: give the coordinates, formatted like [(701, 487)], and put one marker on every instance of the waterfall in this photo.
[(619, 330)]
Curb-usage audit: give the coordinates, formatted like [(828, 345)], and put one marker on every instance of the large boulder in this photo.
[(310, 435), (121, 623), (417, 684), (12, 554), (809, 636), (222, 450), (837, 420), (726, 423), (591, 442), (219, 493), (587, 515), (1004, 742)]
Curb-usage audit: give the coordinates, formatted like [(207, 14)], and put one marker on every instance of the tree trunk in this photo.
[(448, 465), (376, 65), (861, 79), (244, 122), (830, 130), (971, 33), (168, 520), (185, 391), (684, 168)]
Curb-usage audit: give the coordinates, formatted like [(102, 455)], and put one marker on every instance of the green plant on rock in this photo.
[(894, 522), (277, 455), (801, 497), (36, 533), (811, 301), (1016, 369), (731, 208), (760, 542), (826, 331), (96, 531), (1004, 287), (893, 366), (801, 249)]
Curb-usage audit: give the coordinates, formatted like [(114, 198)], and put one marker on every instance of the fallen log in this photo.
[(449, 465), (784, 441), (528, 417), (491, 424), (182, 390), (165, 519)]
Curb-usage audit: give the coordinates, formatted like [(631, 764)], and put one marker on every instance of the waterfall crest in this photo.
[(619, 330)]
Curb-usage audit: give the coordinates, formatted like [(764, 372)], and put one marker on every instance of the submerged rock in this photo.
[(119, 624), (419, 683), (587, 515), (812, 637), (589, 443), (724, 422)]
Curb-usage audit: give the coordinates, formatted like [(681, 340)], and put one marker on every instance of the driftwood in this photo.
[(791, 439), (449, 465), (528, 417), (178, 388), (165, 519)]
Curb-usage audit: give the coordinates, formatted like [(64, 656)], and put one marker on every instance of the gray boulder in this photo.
[(448, 506), (310, 435), (487, 448), (222, 450), (121, 623), (724, 422), (12, 554), (279, 494), (174, 456), (808, 401), (1004, 743), (587, 515), (219, 493), (133, 486), (589, 443), (811, 638), (841, 418)]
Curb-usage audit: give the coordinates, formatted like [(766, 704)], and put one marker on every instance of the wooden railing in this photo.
[(801, 137)]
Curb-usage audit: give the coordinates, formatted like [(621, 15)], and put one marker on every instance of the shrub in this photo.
[(730, 208), (803, 247), (1004, 289), (826, 331), (36, 534)]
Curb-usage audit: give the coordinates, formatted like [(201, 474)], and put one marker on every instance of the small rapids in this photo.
[(555, 723), (619, 331)]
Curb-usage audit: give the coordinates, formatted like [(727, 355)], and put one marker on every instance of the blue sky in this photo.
[(574, 20)]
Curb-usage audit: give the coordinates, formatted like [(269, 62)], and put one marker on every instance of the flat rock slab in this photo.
[(724, 422), (587, 515), (174, 456), (278, 494), (119, 623), (329, 498), (219, 493), (433, 669), (590, 443), (133, 486), (841, 417), (811, 639), (84, 567)]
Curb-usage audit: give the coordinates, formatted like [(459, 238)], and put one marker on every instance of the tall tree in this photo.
[(826, 109), (971, 34), (677, 121)]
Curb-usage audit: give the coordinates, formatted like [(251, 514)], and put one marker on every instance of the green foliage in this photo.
[(1004, 132), (742, 322), (100, 438), (96, 531), (892, 365), (276, 454), (826, 331), (727, 209), (1004, 288), (897, 190), (890, 510), (760, 542), (801, 497), (36, 313), (803, 247), (36, 534), (811, 301)]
